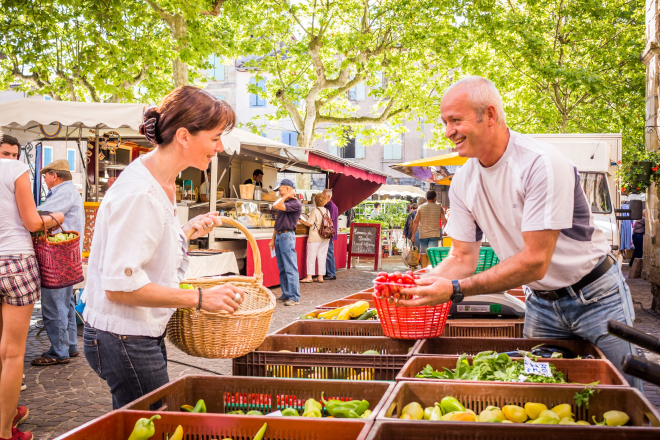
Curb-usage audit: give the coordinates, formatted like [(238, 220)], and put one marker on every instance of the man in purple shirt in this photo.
[(330, 269), (284, 241)]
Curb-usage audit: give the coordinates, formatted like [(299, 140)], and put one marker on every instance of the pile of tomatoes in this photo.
[(390, 285)]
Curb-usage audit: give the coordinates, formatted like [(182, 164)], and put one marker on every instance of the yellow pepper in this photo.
[(544, 420), (613, 418), (567, 421), (534, 409), (548, 413), (514, 413), (491, 413), (563, 410), (178, 433), (414, 410)]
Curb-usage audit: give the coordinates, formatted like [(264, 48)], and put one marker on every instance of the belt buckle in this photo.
[(548, 295)]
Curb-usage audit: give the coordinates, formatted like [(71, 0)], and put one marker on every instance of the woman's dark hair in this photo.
[(188, 107)]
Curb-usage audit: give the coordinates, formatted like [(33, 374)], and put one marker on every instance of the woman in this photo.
[(317, 246), (20, 282), (138, 255)]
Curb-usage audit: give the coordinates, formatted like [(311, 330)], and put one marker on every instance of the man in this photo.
[(205, 186), (376, 210), (410, 218), (257, 177), (427, 222), (9, 148), (526, 197), (330, 268), (284, 241), (639, 228), (58, 305)]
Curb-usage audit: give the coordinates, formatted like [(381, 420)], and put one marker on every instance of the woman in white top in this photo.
[(317, 246), (20, 281), (138, 254)]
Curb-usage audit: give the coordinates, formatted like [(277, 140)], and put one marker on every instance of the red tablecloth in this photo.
[(269, 265)]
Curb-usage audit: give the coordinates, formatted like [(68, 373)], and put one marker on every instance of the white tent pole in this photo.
[(96, 162), (213, 196)]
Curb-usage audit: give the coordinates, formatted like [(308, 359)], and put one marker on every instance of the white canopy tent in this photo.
[(400, 190)]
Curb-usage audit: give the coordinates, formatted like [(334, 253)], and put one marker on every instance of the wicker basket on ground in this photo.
[(221, 334)]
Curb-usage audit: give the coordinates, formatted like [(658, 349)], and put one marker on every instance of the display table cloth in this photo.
[(211, 265)]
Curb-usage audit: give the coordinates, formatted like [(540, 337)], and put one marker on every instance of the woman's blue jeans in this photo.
[(132, 366)]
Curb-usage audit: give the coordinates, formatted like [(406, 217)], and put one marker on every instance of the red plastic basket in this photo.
[(422, 322)]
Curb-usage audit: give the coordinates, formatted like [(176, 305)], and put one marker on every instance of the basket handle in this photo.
[(49, 231), (250, 238)]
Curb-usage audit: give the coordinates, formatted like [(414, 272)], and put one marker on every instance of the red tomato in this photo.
[(407, 279), (381, 279), (385, 293), (397, 295), (382, 274)]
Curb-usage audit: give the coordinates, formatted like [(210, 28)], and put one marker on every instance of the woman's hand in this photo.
[(202, 224), (222, 298)]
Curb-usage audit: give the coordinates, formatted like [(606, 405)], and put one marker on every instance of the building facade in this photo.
[(230, 82)]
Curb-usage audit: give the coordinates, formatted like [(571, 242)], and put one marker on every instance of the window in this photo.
[(220, 97), (348, 150), (71, 157), (595, 188), (217, 71), (357, 93), (379, 85), (256, 100), (47, 98), (392, 150), (290, 138), (332, 147), (48, 155)]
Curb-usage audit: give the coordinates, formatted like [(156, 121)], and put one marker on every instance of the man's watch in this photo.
[(457, 296)]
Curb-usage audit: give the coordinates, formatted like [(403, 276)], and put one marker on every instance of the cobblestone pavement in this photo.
[(63, 397)]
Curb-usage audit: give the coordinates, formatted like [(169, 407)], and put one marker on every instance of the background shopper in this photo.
[(317, 246), (58, 305), (330, 264), (427, 222), (639, 228), (284, 241), (138, 255), (21, 283)]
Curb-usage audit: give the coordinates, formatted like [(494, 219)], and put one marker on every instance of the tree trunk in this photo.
[(180, 72)]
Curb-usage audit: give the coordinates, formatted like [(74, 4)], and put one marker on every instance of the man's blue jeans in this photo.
[(132, 366), (425, 243), (584, 314), (330, 269), (287, 263), (59, 314)]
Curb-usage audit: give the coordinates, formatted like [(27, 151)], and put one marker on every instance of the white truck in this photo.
[(596, 157)]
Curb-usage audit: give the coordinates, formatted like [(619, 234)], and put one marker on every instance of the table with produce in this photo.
[(364, 367)]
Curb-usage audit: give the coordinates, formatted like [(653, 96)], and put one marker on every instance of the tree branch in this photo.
[(216, 8), (363, 120)]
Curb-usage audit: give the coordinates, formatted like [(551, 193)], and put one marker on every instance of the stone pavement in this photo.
[(63, 397)]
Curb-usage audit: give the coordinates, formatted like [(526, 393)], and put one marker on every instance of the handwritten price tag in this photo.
[(538, 368)]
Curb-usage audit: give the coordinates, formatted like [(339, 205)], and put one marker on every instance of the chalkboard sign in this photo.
[(364, 242)]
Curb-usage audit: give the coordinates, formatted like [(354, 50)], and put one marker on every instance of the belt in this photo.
[(597, 272), (284, 231)]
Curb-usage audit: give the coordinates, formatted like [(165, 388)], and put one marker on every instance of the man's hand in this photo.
[(290, 195), (432, 291), (271, 244)]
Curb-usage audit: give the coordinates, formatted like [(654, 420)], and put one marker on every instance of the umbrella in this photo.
[(439, 169)]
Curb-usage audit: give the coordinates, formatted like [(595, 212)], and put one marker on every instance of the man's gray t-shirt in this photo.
[(533, 187)]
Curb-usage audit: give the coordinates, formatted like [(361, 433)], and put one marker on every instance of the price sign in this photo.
[(538, 368)]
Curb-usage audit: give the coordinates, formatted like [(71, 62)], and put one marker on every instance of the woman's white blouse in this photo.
[(137, 240)]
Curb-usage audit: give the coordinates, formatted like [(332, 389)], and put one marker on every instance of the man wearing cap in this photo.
[(57, 305), (284, 241)]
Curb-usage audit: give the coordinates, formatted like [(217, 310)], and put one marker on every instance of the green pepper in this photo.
[(261, 432), (349, 409), (450, 404), (437, 413), (187, 408), (254, 413), (144, 429), (200, 407), (237, 411), (290, 412), (312, 408), (366, 414)]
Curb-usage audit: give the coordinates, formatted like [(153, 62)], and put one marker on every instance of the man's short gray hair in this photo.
[(482, 93), (421, 201), (328, 191)]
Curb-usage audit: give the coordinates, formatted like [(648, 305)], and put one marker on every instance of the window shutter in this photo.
[(360, 92), (253, 97), (396, 153), (387, 151), (332, 148), (359, 147), (219, 70), (48, 155), (261, 102), (71, 158), (351, 94)]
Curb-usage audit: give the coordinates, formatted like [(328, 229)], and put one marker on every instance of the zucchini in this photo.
[(367, 315)]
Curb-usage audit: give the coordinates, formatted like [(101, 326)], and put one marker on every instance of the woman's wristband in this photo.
[(199, 305)]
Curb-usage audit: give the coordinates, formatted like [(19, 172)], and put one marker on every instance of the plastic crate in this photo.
[(487, 257), (485, 328), (472, 346), (324, 327), (118, 425), (478, 395), (386, 430), (320, 357), (344, 302), (315, 313), (577, 371), (227, 393)]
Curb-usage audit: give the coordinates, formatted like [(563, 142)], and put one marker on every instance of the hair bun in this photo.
[(149, 129)]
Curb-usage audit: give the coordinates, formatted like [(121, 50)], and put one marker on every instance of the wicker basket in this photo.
[(221, 334), (60, 263)]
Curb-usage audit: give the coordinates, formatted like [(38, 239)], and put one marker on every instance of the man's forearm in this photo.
[(509, 274), (453, 268)]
